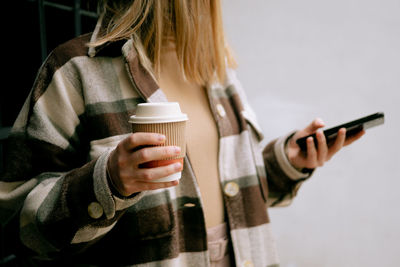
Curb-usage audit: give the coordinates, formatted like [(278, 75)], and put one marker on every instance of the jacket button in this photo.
[(231, 189), (95, 210), (248, 263), (221, 110)]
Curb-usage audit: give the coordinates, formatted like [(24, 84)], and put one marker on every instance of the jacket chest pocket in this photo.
[(254, 128), (256, 136)]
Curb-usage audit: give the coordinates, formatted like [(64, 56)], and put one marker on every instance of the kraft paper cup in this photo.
[(167, 119)]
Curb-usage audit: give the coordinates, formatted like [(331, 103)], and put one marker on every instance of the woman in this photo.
[(73, 186)]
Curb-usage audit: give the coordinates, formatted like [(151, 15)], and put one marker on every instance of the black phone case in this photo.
[(352, 128)]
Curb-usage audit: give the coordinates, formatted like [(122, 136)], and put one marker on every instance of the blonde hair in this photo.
[(195, 25)]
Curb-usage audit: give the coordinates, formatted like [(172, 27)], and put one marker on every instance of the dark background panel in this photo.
[(31, 29)]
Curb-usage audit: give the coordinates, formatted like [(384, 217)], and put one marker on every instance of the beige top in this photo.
[(202, 133)]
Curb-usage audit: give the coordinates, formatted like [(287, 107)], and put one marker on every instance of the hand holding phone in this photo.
[(352, 128)]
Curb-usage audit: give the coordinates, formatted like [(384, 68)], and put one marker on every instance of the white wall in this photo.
[(338, 60)]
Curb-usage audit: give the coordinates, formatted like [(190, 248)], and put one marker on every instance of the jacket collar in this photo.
[(141, 78)]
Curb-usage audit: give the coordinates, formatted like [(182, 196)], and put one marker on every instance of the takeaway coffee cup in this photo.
[(165, 118)]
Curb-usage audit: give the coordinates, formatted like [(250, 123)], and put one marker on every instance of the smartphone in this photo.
[(352, 128)]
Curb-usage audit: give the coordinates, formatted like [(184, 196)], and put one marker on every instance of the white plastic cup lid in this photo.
[(158, 113)]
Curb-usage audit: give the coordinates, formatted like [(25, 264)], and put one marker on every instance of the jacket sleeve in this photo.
[(62, 198), (283, 179)]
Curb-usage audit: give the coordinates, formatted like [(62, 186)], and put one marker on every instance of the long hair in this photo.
[(195, 26)]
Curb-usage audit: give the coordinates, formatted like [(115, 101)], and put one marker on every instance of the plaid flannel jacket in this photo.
[(55, 187)]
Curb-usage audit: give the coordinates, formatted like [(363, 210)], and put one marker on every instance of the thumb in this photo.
[(313, 126)]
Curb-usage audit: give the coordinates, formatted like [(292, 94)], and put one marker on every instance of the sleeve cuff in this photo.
[(104, 195), (283, 161)]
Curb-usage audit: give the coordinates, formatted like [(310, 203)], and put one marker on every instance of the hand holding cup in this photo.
[(124, 163), (152, 157)]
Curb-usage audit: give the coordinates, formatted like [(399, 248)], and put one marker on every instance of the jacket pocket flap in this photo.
[(252, 121)]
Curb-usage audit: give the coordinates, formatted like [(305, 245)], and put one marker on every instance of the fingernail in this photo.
[(319, 122), (177, 150), (177, 166), (161, 137)]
